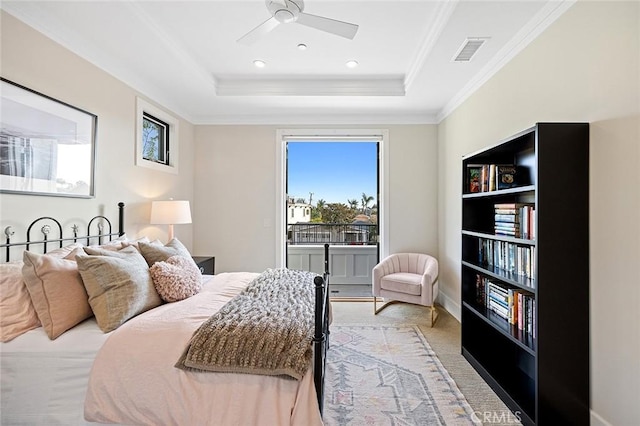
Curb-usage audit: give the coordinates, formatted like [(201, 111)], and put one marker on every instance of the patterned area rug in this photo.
[(389, 375)]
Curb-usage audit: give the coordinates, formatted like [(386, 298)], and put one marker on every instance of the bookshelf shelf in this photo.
[(524, 283), (522, 339), (525, 271), (501, 192), (523, 241)]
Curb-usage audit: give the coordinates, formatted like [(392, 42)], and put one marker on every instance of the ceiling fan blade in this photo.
[(342, 29), (280, 2), (259, 31)]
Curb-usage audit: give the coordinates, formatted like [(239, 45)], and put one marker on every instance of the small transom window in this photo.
[(155, 139)]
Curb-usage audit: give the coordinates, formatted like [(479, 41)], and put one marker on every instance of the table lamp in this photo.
[(171, 212)]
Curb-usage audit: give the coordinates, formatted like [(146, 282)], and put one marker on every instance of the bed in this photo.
[(129, 375)]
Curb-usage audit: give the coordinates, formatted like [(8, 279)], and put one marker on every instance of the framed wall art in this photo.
[(47, 147)]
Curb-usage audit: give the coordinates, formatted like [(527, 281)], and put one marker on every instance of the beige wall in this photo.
[(235, 192), (585, 67), (32, 60)]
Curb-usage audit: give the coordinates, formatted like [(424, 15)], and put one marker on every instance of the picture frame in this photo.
[(47, 147)]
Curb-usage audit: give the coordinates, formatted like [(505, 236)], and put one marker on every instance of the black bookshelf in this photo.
[(540, 368)]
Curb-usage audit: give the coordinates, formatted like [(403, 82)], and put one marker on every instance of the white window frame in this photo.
[(381, 135), (143, 106)]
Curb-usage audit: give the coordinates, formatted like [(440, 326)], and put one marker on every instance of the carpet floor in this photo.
[(444, 341)]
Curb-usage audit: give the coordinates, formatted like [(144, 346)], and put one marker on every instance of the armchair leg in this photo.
[(433, 311), (376, 310), (434, 314)]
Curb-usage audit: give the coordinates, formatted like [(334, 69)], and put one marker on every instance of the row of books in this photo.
[(516, 306), (515, 220), (491, 177), (511, 258)]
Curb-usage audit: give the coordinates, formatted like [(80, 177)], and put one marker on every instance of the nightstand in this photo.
[(207, 264)]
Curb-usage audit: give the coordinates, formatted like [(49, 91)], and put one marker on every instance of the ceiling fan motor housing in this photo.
[(285, 11)]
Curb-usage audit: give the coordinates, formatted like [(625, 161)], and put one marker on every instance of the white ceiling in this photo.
[(184, 54)]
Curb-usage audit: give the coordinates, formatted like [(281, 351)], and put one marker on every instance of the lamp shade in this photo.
[(170, 212)]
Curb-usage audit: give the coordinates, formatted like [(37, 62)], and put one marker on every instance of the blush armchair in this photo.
[(406, 277)]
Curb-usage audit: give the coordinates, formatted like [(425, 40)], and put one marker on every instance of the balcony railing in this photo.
[(332, 233)]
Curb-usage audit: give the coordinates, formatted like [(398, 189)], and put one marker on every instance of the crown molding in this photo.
[(31, 15), (436, 24), (392, 86), (316, 119), (179, 51), (548, 14)]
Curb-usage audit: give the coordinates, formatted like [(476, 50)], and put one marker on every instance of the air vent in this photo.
[(468, 49)]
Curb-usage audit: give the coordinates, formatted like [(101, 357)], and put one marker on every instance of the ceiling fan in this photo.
[(288, 11)]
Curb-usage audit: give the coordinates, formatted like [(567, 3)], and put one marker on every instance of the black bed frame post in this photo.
[(326, 258), (321, 330), (120, 219), (8, 232), (319, 339)]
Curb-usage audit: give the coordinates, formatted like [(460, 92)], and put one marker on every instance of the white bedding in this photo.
[(45, 382)]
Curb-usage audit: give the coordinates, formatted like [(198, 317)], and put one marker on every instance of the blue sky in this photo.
[(333, 171)]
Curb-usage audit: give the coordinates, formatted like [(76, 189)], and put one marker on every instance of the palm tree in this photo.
[(366, 199), (316, 212), (353, 204)]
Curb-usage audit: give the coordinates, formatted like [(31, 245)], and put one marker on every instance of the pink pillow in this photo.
[(17, 314), (176, 279), (57, 292)]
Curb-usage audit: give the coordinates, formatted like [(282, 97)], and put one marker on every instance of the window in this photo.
[(282, 139), (156, 138)]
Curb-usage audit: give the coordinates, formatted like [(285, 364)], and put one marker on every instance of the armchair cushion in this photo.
[(402, 282)]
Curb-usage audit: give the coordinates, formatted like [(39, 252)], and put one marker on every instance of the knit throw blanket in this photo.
[(266, 329)]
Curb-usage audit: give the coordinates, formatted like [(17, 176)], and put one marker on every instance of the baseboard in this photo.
[(450, 305), (596, 420)]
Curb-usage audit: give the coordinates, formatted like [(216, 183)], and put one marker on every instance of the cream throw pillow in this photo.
[(17, 314), (154, 253), (119, 285), (57, 292)]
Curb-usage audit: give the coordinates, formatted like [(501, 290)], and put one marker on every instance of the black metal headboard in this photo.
[(97, 222)]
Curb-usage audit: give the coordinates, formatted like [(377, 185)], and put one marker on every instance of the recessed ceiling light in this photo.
[(302, 46), (259, 63), (352, 64)]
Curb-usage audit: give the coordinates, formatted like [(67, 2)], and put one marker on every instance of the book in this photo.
[(507, 225), (480, 290), (474, 172), (499, 217), (498, 309), (509, 205), (514, 234), (492, 177), (484, 178), (505, 176)]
